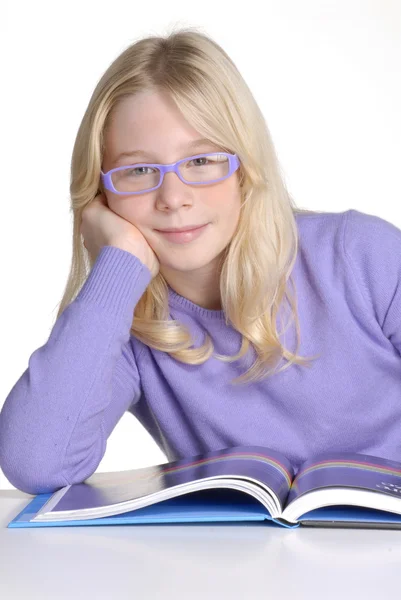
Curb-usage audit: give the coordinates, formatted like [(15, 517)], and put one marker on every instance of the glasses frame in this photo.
[(234, 163)]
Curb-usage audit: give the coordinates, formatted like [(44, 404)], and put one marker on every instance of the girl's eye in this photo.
[(200, 158), (137, 169)]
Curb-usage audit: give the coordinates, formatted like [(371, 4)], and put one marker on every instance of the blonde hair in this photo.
[(214, 98)]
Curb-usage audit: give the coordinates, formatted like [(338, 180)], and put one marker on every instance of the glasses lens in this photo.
[(204, 168), (207, 167), (135, 178)]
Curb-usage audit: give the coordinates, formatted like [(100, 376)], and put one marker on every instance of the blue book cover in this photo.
[(240, 484)]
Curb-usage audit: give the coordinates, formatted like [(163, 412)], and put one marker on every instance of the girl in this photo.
[(186, 330)]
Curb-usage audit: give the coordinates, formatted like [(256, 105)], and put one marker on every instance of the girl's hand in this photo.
[(100, 226)]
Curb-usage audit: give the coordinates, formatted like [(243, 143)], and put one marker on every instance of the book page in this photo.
[(245, 462), (345, 469)]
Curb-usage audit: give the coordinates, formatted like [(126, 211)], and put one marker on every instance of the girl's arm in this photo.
[(55, 421)]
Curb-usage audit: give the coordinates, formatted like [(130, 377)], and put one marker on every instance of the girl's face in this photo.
[(152, 123)]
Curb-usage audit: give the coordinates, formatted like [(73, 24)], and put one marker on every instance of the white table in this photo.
[(194, 561)]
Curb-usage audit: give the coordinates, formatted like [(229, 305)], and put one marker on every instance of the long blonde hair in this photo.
[(214, 98)]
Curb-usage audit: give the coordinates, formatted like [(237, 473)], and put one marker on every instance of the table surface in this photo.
[(194, 561)]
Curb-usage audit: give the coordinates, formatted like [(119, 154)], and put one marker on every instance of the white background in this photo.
[(326, 74)]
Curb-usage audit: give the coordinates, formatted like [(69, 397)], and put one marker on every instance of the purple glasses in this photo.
[(215, 166)]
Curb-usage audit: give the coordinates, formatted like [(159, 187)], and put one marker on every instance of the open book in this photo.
[(243, 483)]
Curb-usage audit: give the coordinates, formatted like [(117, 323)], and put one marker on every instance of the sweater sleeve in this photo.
[(56, 419), (372, 247)]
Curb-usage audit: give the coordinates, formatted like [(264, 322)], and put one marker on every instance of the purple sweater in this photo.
[(56, 419)]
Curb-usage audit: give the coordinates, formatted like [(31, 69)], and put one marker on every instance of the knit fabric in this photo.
[(56, 419)]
